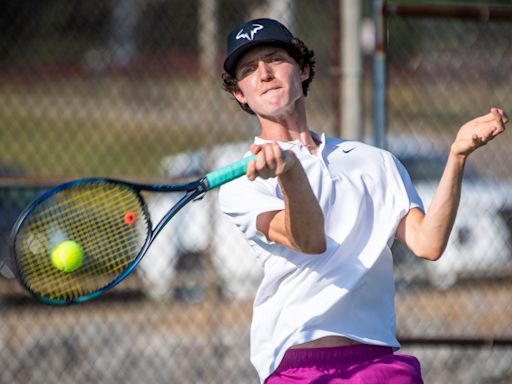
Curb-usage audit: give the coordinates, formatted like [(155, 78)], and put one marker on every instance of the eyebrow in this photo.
[(257, 58)]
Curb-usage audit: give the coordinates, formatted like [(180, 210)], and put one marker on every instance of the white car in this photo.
[(199, 230), (480, 241)]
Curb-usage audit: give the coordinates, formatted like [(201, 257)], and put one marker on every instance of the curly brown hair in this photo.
[(304, 56)]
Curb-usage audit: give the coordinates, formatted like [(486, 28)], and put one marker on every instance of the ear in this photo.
[(304, 74), (239, 95)]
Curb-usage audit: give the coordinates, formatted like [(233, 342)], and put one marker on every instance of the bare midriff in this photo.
[(326, 342)]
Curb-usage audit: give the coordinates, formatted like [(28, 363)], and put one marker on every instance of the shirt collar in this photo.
[(318, 138)]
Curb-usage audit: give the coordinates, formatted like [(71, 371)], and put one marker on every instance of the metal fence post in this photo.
[(351, 62), (379, 75)]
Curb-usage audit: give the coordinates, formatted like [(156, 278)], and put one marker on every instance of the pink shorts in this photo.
[(362, 364)]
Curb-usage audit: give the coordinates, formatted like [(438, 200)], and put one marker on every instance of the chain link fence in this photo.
[(131, 89), (447, 65)]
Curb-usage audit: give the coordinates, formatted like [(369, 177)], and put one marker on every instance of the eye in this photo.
[(246, 70), (277, 58)]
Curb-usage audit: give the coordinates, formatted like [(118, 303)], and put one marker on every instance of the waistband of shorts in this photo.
[(307, 357)]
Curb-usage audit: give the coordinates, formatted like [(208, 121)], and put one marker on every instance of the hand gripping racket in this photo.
[(110, 221)]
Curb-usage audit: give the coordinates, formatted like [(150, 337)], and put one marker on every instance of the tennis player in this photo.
[(321, 214)]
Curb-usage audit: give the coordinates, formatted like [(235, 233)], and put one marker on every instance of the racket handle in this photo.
[(229, 172)]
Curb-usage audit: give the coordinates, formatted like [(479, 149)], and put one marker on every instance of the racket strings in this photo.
[(93, 216)]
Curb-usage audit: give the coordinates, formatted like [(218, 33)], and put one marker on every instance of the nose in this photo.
[(265, 71)]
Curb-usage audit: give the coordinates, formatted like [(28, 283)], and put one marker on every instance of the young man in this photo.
[(321, 214)]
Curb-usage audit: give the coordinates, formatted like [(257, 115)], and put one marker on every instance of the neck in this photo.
[(287, 126)]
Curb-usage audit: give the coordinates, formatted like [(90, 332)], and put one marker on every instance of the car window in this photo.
[(422, 168)]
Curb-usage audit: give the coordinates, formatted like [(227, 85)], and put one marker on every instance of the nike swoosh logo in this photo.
[(348, 150)]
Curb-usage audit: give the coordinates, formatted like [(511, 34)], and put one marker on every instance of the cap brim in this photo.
[(232, 59)]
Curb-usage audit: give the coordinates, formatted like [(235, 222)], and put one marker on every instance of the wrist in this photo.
[(457, 157), (456, 154), (293, 175), (291, 164)]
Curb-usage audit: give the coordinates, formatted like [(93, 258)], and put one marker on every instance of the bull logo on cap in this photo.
[(244, 35)]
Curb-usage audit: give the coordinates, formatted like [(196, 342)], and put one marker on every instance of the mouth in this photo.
[(269, 90)]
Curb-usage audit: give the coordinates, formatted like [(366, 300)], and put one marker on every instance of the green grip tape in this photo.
[(229, 172)]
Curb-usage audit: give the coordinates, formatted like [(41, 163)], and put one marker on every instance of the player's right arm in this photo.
[(300, 226)]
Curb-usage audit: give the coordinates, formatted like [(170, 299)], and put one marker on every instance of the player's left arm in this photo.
[(426, 235)]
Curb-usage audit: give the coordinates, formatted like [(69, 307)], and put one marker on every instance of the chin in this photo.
[(274, 110)]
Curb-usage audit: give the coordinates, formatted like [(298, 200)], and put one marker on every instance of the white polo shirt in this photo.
[(348, 290)]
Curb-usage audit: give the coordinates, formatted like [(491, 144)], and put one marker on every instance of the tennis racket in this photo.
[(110, 221)]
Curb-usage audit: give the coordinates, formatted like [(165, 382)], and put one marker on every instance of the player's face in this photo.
[(269, 80)]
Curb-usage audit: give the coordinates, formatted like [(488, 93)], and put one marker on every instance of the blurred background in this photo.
[(131, 89)]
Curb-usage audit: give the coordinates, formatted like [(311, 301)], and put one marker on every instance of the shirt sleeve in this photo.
[(243, 200), (413, 196)]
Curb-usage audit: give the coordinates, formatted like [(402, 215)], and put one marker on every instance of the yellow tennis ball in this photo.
[(67, 256)]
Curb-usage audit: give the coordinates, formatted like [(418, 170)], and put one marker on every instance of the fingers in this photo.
[(255, 148), (269, 162), (265, 162), (487, 134), (500, 114), (495, 114), (267, 157), (479, 131), (500, 119), (479, 141), (489, 126), (251, 170)]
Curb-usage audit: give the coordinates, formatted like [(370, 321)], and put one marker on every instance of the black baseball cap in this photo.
[(252, 33)]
